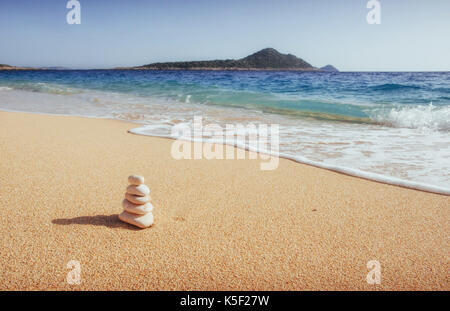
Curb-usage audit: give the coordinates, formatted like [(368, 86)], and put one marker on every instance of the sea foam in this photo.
[(416, 117)]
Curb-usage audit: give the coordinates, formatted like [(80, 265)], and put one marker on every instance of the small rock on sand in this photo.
[(137, 199), (141, 221), (136, 180), (137, 209), (141, 190)]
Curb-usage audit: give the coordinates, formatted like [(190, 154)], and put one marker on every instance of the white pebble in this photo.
[(137, 199), (137, 209), (141, 221), (141, 190), (136, 180)]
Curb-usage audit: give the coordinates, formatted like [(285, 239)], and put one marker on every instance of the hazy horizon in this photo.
[(411, 36)]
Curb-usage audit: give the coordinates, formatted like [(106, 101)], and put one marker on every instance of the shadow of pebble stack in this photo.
[(137, 209)]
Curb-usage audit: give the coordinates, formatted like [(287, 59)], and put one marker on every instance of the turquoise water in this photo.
[(359, 97), (394, 124)]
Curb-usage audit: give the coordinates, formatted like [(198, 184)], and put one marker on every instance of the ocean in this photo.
[(388, 126)]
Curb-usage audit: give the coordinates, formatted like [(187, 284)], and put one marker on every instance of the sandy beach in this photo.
[(219, 224)]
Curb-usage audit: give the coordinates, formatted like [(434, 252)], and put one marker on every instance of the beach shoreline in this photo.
[(383, 179), (219, 224)]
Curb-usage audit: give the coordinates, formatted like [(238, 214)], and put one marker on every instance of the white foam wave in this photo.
[(147, 131), (402, 156), (418, 117)]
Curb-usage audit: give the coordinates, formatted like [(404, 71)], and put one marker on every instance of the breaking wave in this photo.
[(418, 117)]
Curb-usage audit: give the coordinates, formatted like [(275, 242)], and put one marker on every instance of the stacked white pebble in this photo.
[(137, 209)]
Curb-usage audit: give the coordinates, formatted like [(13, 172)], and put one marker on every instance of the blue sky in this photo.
[(413, 34)]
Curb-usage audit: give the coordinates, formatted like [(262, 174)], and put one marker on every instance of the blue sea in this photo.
[(388, 124)]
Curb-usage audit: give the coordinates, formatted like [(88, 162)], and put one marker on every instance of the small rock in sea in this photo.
[(141, 190), (136, 180)]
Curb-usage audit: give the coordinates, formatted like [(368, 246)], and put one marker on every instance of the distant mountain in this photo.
[(329, 68), (266, 59), (9, 67)]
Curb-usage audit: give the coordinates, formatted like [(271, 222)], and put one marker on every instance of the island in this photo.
[(9, 67), (266, 59), (329, 68)]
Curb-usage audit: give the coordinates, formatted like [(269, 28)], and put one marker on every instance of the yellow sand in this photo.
[(220, 224)]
